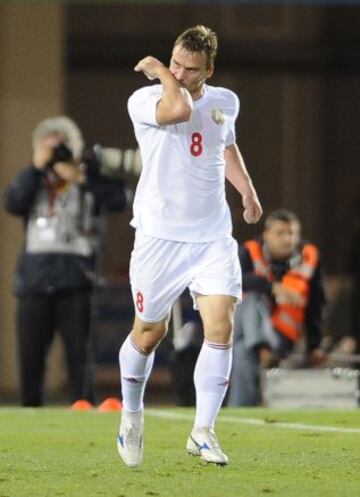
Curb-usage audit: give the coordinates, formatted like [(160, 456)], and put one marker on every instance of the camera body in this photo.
[(61, 153)]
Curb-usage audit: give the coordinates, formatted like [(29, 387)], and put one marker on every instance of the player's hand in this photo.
[(150, 67), (253, 210)]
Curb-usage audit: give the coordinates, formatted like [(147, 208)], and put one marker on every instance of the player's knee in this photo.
[(149, 341), (220, 332), (148, 336)]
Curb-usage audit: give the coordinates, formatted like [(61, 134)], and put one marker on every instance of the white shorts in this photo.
[(160, 271)]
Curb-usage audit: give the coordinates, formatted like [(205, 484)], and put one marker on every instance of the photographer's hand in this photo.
[(44, 150), (70, 172)]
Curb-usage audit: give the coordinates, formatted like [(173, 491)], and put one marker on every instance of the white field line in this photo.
[(253, 421)]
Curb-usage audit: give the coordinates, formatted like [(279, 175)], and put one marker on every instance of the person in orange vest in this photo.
[(282, 304)]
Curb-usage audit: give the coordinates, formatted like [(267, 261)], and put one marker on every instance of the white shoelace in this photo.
[(133, 436)]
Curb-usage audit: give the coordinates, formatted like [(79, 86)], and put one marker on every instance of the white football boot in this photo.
[(204, 443), (130, 439)]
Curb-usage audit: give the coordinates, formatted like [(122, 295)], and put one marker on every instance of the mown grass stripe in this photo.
[(253, 421)]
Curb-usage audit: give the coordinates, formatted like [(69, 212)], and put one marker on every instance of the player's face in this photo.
[(190, 69), (281, 238)]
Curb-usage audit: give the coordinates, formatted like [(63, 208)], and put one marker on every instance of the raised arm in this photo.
[(238, 176), (175, 105)]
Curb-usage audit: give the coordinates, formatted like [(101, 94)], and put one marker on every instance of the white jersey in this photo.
[(181, 191)]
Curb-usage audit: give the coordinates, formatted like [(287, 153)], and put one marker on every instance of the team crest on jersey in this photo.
[(218, 116)]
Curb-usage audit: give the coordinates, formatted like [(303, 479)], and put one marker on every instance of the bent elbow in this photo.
[(182, 112), (187, 112), (175, 111), (186, 104)]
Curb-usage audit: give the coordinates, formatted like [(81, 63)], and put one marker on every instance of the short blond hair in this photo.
[(199, 39)]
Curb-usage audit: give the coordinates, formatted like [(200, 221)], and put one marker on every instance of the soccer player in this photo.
[(186, 134)]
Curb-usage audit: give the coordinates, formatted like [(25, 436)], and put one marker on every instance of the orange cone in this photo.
[(110, 404), (82, 405)]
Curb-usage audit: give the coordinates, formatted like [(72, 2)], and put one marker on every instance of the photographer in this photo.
[(60, 201)]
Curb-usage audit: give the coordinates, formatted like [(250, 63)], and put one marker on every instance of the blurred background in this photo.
[(296, 68)]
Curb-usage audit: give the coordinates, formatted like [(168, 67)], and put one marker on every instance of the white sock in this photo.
[(135, 369), (211, 378)]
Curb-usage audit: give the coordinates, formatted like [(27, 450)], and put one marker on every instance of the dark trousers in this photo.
[(38, 317)]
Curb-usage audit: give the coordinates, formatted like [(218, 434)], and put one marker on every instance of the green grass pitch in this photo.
[(303, 453)]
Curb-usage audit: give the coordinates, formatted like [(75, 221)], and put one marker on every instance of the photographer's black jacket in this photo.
[(69, 262)]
